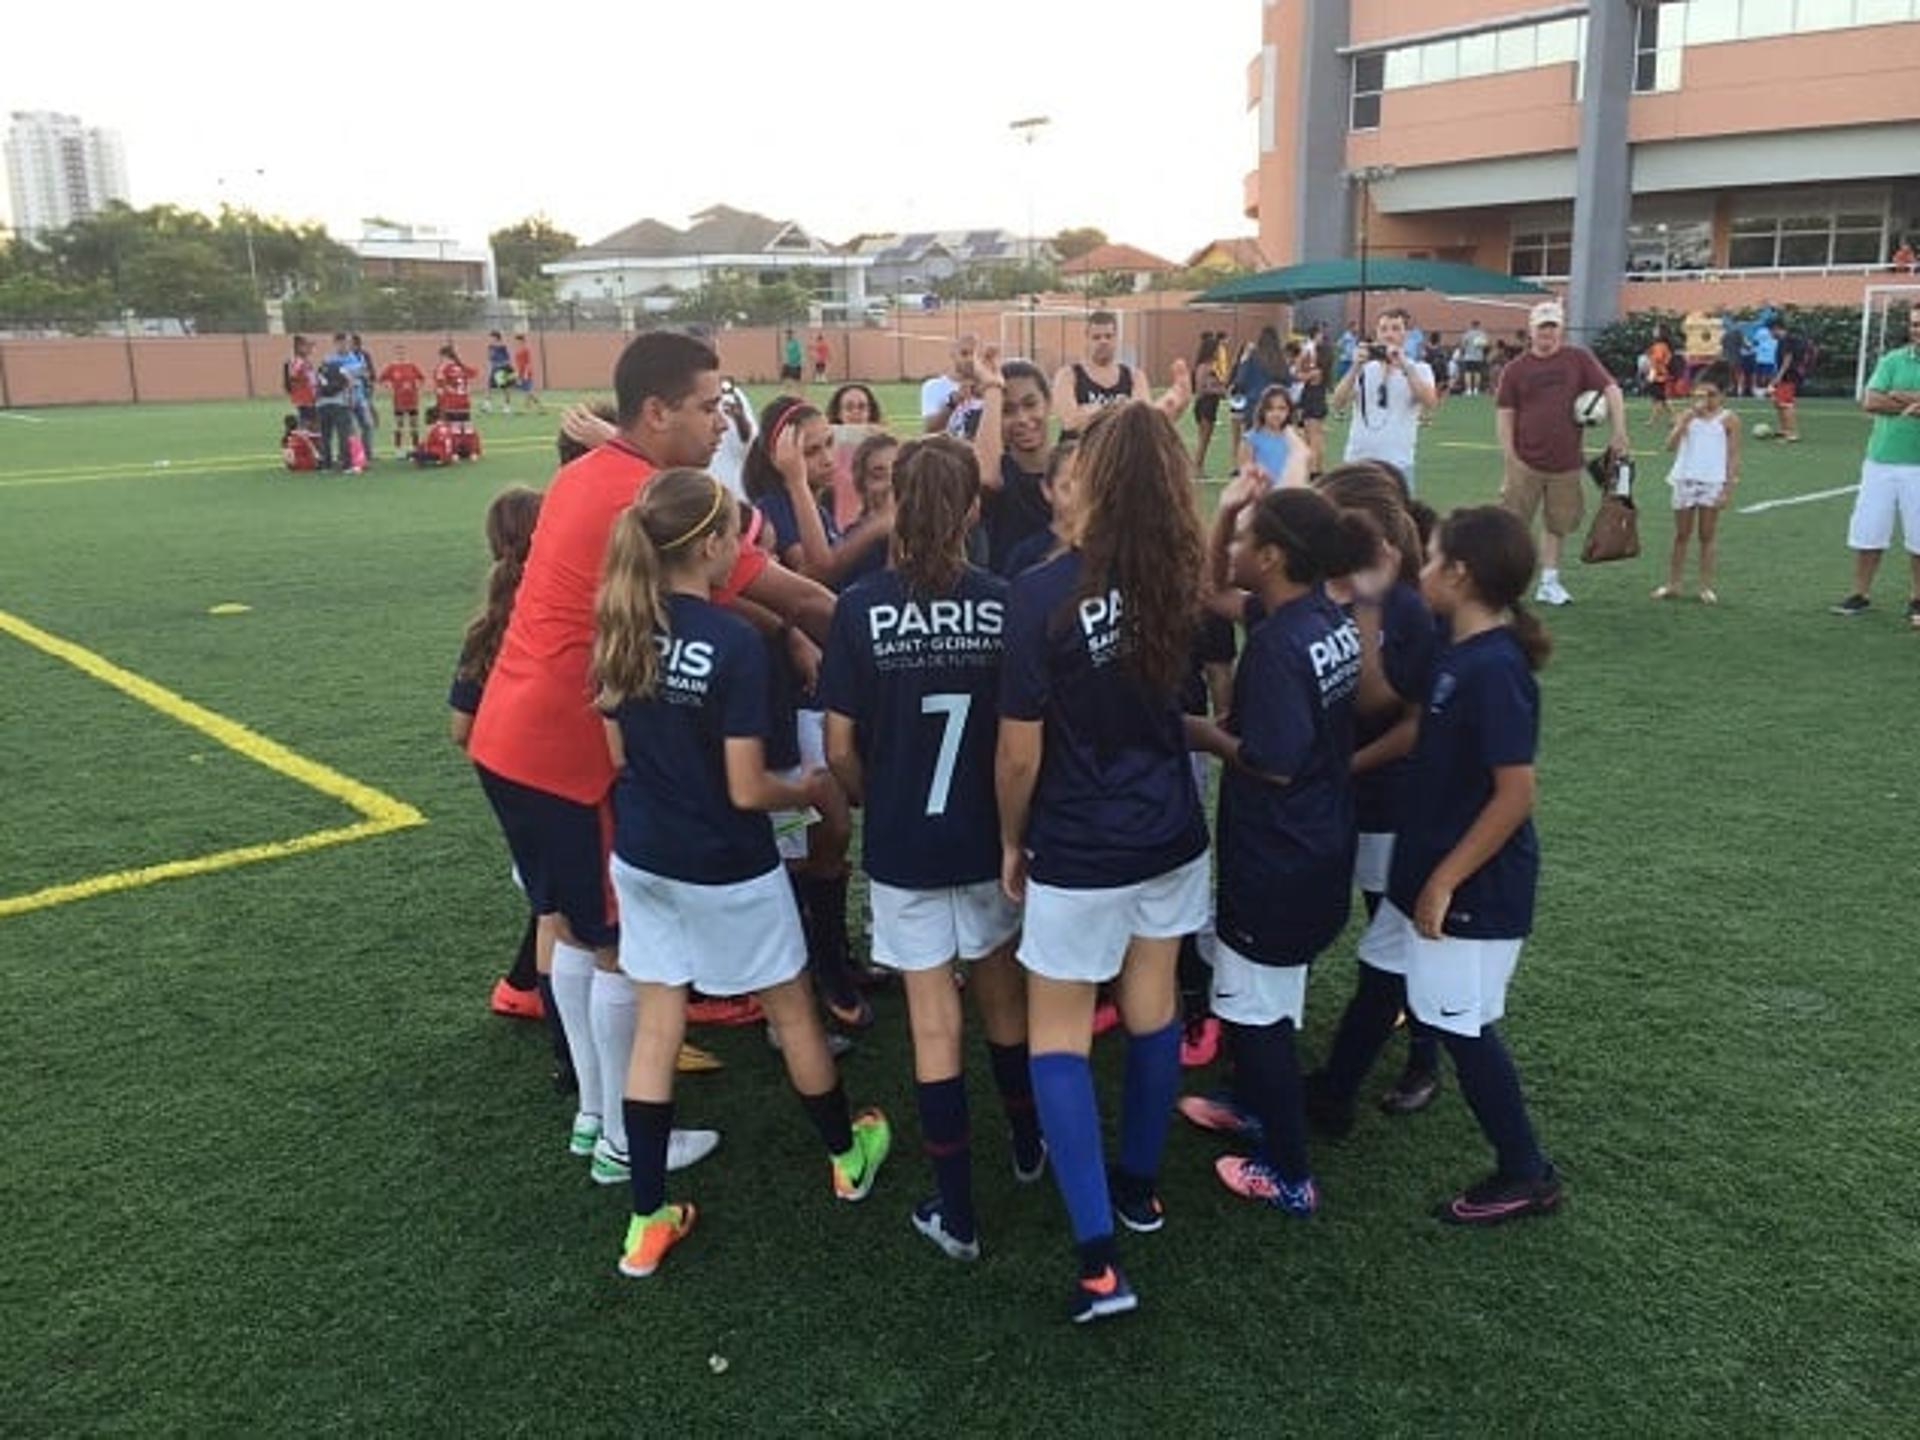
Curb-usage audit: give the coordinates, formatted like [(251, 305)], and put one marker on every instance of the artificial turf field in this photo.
[(270, 1165)]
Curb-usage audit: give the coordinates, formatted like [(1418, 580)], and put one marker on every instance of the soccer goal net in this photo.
[(1883, 327), (1052, 335)]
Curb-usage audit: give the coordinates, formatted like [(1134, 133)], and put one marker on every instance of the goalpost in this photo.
[(1050, 335), (1880, 305)]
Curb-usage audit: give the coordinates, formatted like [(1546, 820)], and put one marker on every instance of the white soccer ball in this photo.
[(1762, 430), (1589, 408)]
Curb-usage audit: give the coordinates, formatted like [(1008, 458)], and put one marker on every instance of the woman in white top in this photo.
[(1706, 466)]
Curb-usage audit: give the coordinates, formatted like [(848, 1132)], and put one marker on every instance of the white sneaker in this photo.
[(690, 1147), (1552, 592)]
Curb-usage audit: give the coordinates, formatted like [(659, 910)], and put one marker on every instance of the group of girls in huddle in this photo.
[(1019, 748)]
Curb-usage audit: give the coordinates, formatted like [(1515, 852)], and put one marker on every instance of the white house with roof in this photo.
[(390, 251), (650, 262), (916, 260)]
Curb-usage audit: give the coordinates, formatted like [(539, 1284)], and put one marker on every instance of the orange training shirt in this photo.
[(537, 725)]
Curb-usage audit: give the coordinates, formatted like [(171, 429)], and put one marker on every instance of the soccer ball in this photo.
[(1762, 430), (1589, 408)]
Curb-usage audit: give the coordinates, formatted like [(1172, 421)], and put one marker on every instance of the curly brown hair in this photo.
[(1140, 535)]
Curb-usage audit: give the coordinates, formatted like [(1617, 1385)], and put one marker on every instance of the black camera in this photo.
[(1377, 352)]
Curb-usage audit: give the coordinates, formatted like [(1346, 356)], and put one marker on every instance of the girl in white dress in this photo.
[(1706, 467)]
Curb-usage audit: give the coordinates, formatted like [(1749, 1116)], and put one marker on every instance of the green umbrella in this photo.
[(1291, 283)]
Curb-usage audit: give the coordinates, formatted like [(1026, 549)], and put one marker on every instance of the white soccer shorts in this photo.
[(1084, 934), (924, 929)]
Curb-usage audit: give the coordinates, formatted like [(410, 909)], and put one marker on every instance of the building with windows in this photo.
[(1695, 153), (59, 170), (650, 263), (390, 252)]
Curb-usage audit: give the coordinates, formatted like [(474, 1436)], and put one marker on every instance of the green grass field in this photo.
[(272, 1167)]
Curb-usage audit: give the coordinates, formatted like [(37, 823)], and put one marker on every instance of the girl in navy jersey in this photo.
[(509, 528), (1461, 887), (1286, 812), (787, 474), (911, 681), (1101, 828), (703, 899), (1400, 640), (1012, 444)]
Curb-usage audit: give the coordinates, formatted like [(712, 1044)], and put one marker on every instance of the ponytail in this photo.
[(509, 526), (627, 615), (1535, 643), (936, 484)]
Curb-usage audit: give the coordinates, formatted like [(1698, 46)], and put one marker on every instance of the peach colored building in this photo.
[(1678, 155)]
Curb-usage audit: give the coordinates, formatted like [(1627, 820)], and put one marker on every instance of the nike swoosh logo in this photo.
[(1228, 995), (1446, 1014)]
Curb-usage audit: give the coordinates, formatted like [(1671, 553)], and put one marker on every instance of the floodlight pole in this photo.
[(1028, 130), (1366, 177)]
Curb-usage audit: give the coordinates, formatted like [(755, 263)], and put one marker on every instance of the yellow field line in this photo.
[(380, 812), (98, 885)]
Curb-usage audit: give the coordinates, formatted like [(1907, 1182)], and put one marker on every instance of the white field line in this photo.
[(1796, 499)]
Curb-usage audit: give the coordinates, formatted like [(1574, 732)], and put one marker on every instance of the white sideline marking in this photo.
[(23, 419), (1796, 500)]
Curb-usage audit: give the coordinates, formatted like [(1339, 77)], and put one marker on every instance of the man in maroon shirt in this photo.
[(1540, 439)]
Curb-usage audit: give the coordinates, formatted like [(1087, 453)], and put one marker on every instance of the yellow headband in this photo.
[(713, 512)]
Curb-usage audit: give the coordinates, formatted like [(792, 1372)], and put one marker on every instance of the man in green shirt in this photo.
[(1890, 475)]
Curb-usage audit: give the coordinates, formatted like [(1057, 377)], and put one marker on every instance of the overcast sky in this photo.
[(846, 116)]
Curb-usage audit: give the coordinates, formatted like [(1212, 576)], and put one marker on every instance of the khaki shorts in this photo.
[(1523, 491)]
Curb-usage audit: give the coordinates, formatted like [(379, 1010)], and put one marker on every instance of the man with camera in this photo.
[(1387, 390)]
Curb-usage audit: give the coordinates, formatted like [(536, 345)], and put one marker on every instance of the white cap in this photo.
[(1547, 312)]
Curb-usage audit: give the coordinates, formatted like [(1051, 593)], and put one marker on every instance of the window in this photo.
[(1537, 253), (1558, 43), (1657, 30), (1476, 55), (1809, 231), (1369, 78), (1515, 49), (1671, 246), (1709, 22), (1439, 61)]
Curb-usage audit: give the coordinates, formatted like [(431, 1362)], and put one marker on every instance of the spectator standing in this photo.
[(1733, 353), (1890, 475), (947, 401), (1793, 357), (1261, 364), (1210, 374), (365, 418), (1083, 388), (500, 375), (1344, 351), (1387, 391), (333, 401), (1540, 439), (1473, 358), (822, 354), (790, 373)]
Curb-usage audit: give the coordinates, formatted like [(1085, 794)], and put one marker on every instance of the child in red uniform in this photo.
[(438, 447), (296, 378), (298, 449), (523, 371), (404, 378), (450, 391)]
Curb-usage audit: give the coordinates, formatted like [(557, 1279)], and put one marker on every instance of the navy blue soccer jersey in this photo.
[(920, 679), (1286, 850), (1409, 640), (1029, 552), (777, 506), (672, 814), (1115, 802), (1483, 713), (871, 563), (1013, 514)]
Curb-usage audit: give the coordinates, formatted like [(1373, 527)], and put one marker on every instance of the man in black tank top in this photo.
[(1084, 387)]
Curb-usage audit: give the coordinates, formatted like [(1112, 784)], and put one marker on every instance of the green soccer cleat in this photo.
[(872, 1139)]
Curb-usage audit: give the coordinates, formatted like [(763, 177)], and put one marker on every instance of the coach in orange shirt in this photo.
[(537, 740)]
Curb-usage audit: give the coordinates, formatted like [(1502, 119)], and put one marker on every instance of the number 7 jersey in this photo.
[(920, 678)]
